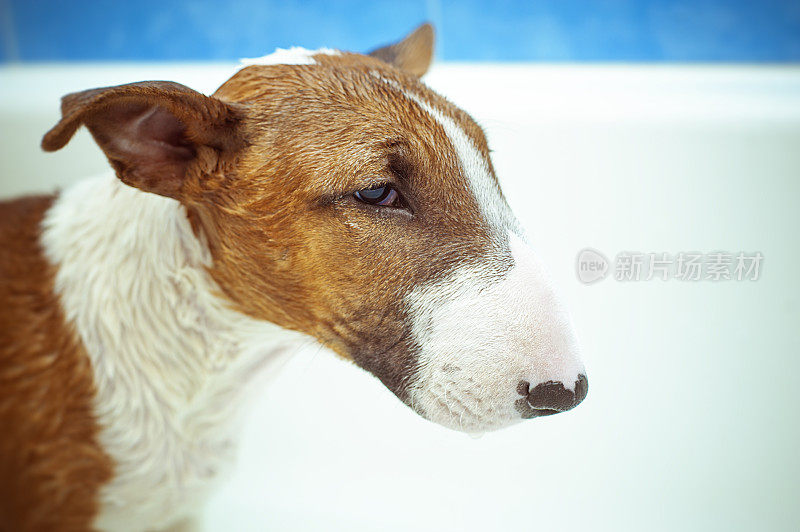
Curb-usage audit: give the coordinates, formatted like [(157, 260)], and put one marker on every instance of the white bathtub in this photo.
[(692, 420)]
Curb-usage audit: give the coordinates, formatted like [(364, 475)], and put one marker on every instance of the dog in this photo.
[(317, 195)]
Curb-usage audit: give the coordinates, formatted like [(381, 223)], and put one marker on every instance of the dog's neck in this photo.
[(168, 352), (132, 278)]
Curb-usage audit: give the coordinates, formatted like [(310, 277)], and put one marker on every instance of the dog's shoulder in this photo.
[(41, 359)]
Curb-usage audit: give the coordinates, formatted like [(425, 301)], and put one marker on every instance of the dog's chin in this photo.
[(472, 425), (463, 411)]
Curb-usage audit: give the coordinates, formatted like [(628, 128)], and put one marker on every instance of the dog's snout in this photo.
[(549, 397)]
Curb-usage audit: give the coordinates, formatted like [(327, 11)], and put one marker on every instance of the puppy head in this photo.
[(341, 197)]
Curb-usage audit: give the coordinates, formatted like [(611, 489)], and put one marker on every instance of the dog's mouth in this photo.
[(526, 411)]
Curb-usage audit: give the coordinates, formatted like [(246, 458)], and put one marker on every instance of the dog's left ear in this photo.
[(150, 131), (413, 54)]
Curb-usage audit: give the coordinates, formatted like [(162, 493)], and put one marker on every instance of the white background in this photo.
[(691, 422)]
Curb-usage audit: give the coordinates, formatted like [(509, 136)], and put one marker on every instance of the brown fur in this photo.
[(51, 464), (335, 268)]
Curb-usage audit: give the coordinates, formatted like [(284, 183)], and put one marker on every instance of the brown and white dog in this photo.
[(317, 194)]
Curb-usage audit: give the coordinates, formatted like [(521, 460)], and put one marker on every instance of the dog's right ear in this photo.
[(413, 54), (150, 131)]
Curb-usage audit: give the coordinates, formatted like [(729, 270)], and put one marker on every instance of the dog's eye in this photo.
[(382, 195)]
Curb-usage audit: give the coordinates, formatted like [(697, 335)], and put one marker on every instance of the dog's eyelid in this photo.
[(375, 180)]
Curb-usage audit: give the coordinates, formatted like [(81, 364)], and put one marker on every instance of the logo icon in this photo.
[(591, 266)]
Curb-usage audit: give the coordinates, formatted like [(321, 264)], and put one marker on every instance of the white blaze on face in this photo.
[(486, 328), (291, 56), (480, 333)]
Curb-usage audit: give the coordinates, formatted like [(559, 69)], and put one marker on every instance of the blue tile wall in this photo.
[(468, 30)]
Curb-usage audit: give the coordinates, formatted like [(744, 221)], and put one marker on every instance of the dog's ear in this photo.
[(413, 54), (150, 131)]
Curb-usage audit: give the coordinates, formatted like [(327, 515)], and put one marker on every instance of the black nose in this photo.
[(549, 398)]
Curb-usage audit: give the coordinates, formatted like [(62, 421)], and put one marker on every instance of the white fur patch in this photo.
[(170, 359), (291, 56), (480, 333)]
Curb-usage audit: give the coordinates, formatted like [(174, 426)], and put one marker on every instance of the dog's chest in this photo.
[(170, 452), (173, 444), (171, 458)]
